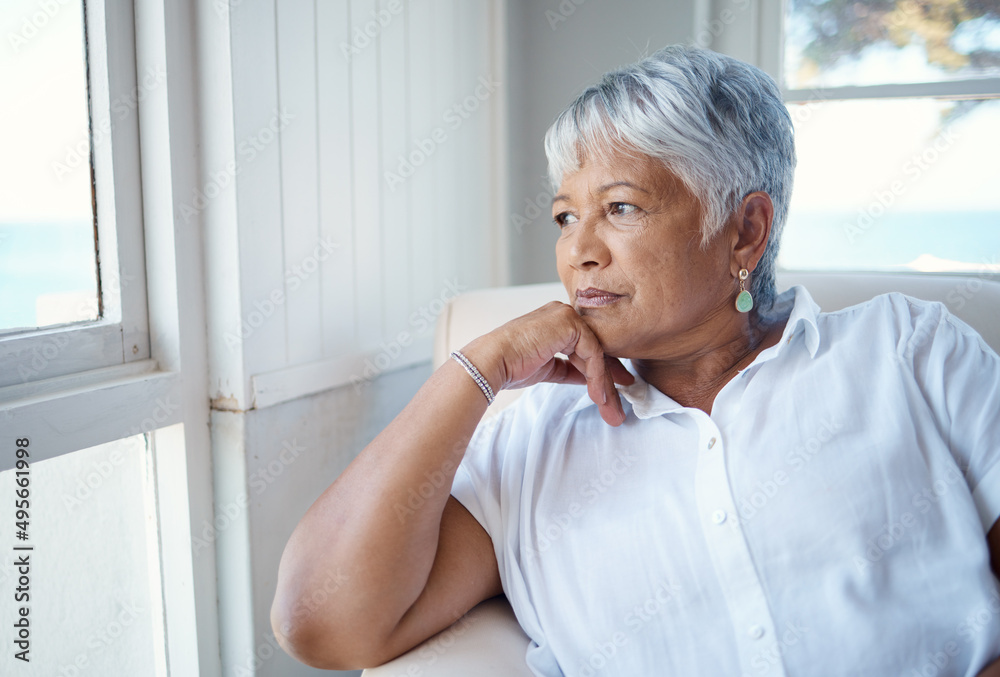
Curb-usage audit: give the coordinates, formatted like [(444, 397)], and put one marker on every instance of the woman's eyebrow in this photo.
[(604, 189)]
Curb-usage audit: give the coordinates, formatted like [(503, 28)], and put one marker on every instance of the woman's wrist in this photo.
[(488, 361)]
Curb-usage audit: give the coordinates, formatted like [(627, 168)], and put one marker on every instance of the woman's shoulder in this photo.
[(904, 321)]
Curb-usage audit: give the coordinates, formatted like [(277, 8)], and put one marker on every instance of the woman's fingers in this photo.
[(600, 379), (523, 352), (618, 371)]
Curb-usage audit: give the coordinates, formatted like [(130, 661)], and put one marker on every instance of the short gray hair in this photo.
[(717, 122)]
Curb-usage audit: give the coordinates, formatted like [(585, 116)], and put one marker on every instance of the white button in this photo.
[(719, 516), (711, 443), (755, 632)]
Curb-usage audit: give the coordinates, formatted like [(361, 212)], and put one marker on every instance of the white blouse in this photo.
[(828, 518)]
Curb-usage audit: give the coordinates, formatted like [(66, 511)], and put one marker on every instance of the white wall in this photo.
[(350, 186), (313, 351), (558, 48)]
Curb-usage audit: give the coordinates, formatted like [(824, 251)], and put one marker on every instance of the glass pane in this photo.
[(895, 184), (92, 576), (834, 43), (48, 262)]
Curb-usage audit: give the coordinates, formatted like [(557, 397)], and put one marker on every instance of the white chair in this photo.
[(488, 641)]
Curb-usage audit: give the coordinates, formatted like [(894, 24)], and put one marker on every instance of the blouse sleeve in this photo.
[(477, 484), (960, 377)]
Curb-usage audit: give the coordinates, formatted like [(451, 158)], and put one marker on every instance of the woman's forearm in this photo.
[(375, 529), (991, 670)]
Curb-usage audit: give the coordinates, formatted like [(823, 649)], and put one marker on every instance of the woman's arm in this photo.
[(993, 539), (404, 573)]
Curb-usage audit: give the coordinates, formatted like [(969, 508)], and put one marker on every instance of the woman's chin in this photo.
[(613, 340)]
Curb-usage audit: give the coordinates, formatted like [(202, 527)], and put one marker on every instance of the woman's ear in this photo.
[(753, 228)]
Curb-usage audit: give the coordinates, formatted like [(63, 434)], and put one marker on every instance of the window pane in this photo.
[(895, 184), (48, 263), (93, 576), (832, 43)]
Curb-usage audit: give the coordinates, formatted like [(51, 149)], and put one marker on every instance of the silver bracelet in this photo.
[(483, 384)]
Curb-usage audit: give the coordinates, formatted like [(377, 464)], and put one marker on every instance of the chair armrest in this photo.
[(486, 642)]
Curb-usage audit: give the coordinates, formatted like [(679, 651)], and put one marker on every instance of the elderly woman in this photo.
[(762, 489)]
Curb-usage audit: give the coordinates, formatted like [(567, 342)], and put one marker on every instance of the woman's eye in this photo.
[(622, 209), (564, 219)]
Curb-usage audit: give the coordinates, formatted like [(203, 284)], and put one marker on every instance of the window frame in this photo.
[(121, 335), (161, 389), (754, 32)]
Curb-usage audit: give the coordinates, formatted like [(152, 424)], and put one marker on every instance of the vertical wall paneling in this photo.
[(258, 200), (477, 91), (498, 241), (458, 121), (300, 219), (396, 271), (446, 156), (367, 179), (389, 157), (425, 208), (333, 54)]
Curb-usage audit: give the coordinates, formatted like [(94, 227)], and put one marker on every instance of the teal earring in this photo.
[(744, 301)]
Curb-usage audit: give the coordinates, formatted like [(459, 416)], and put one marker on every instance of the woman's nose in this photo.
[(588, 249)]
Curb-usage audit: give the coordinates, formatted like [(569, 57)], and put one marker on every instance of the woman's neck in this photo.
[(696, 380)]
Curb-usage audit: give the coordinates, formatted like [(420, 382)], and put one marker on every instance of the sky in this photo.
[(848, 151), (44, 112)]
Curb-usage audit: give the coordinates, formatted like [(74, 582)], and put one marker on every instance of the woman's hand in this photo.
[(991, 670), (523, 352)]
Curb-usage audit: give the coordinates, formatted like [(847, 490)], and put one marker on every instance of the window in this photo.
[(93, 580), (102, 423), (48, 261), (72, 270), (896, 106)]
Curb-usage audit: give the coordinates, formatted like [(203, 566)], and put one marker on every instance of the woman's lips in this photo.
[(595, 298)]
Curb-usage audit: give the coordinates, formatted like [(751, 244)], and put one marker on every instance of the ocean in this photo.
[(43, 258), (46, 258)]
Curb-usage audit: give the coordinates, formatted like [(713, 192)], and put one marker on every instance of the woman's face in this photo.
[(630, 256)]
